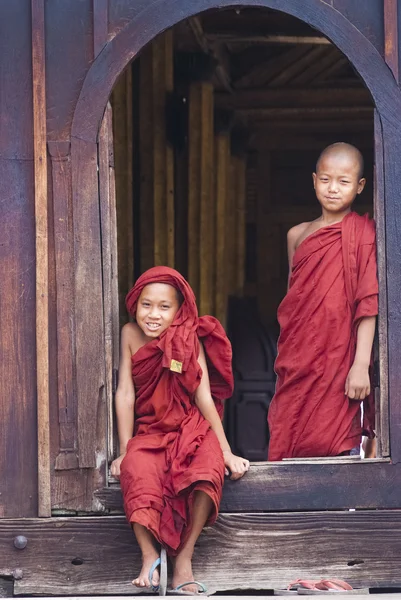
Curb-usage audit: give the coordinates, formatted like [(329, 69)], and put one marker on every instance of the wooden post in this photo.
[(121, 101), (157, 157), (391, 36), (221, 193), (42, 259), (201, 207)]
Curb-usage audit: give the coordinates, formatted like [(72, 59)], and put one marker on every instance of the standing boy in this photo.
[(327, 320)]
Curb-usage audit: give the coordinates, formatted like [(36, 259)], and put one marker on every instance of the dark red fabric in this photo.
[(174, 451), (333, 285)]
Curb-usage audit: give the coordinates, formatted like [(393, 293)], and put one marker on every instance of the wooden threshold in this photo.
[(341, 483)]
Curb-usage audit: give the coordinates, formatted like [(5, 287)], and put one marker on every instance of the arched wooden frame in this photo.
[(271, 486)]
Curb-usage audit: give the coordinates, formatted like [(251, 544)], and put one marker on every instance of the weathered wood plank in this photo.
[(361, 547), (42, 258), (308, 485), (382, 419), (18, 412)]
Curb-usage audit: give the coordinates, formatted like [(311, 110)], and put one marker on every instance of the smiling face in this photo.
[(157, 306), (338, 180)]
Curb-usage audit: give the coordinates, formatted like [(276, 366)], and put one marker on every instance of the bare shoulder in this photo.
[(296, 233), (131, 337)]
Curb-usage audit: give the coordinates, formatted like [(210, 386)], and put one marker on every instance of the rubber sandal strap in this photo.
[(154, 588), (203, 588), (306, 584)]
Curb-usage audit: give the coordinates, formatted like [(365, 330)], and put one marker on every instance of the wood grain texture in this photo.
[(64, 261), (89, 340), (301, 485), (42, 258), (18, 413), (391, 41), (382, 419), (361, 547)]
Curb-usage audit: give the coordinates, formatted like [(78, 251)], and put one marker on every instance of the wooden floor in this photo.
[(338, 596)]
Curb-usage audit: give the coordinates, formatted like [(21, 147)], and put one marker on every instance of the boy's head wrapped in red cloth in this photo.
[(180, 342)]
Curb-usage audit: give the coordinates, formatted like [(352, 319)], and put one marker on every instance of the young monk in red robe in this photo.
[(175, 372), (327, 320)]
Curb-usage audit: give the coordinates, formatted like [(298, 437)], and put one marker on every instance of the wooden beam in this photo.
[(263, 72), (214, 50), (289, 98), (288, 73), (316, 112), (238, 38), (42, 259), (391, 40), (67, 556)]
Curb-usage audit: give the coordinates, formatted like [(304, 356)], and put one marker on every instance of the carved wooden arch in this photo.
[(343, 484), (163, 14)]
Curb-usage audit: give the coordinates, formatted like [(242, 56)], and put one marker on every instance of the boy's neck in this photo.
[(329, 218)]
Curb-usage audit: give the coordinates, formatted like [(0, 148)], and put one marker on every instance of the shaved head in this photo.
[(345, 152)]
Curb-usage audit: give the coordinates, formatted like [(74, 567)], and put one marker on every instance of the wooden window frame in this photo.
[(326, 484)]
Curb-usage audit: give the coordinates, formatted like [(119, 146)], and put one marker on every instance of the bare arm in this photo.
[(125, 400), (357, 385), (293, 236), (204, 401)]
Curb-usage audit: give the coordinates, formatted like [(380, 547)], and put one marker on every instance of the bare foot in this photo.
[(183, 572), (143, 578)]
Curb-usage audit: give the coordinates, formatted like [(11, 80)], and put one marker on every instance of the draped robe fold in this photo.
[(174, 452), (333, 285)]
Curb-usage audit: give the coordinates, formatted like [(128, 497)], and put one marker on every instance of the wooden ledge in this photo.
[(310, 484)]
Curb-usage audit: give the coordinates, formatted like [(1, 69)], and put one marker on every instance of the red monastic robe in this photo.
[(174, 451), (333, 285)]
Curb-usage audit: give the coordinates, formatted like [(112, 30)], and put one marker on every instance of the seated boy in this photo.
[(327, 320), (175, 373)]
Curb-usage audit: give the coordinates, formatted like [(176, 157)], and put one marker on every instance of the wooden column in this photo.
[(221, 193), (42, 259), (122, 103), (201, 208), (157, 157)]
